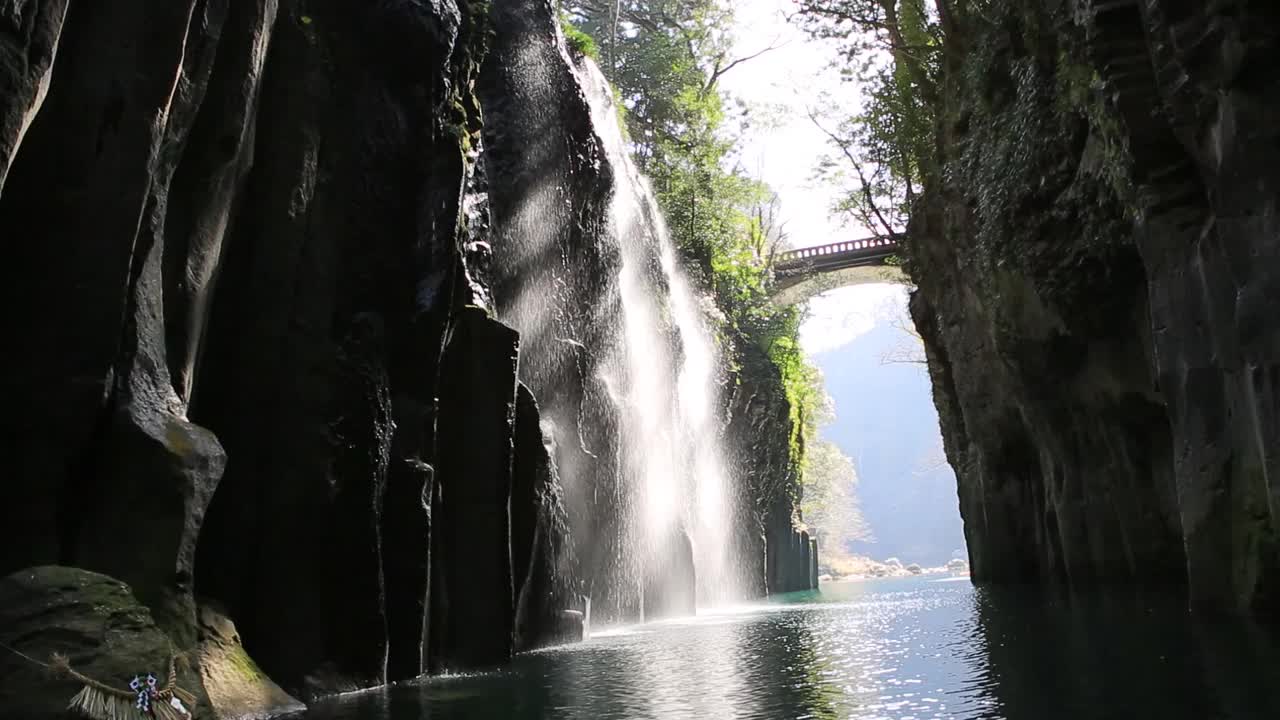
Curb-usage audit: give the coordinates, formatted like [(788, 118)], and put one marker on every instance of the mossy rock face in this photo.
[(237, 687), (92, 619)]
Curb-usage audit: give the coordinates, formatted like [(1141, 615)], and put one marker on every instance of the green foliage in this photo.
[(830, 505), (893, 51), (579, 41)]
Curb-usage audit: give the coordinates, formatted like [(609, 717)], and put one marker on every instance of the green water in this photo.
[(910, 649)]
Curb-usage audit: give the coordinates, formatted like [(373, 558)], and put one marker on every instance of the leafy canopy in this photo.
[(892, 50)]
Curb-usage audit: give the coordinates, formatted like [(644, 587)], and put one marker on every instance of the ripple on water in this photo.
[(895, 650)]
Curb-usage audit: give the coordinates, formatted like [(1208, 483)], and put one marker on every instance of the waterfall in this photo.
[(663, 378), (615, 342)]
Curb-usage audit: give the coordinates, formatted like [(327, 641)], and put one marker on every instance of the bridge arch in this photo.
[(801, 274), (803, 288)]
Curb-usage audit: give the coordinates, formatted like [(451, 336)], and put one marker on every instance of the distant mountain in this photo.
[(886, 422)]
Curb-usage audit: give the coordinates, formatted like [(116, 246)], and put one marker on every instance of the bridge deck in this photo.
[(836, 256)]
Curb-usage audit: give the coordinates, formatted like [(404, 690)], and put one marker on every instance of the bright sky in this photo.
[(790, 78)]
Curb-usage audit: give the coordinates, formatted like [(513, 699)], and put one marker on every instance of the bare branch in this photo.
[(718, 72), (910, 348), (867, 196)]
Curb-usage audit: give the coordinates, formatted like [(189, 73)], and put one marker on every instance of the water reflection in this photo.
[(903, 649), (1122, 656)]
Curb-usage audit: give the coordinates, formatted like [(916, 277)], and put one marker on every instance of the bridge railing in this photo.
[(865, 245)]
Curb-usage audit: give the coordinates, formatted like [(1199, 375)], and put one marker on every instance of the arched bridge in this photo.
[(801, 273)]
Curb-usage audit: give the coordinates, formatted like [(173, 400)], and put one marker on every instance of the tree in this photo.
[(884, 149), (666, 58), (829, 505)]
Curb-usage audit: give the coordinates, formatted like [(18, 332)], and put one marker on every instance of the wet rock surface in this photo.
[(93, 620), (760, 433), (473, 601), (1092, 276), (542, 553), (237, 688), (255, 271)]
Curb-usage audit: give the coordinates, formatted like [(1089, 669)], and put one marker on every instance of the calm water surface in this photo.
[(902, 649)]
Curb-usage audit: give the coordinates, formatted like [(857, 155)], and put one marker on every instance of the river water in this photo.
[(905, 649)]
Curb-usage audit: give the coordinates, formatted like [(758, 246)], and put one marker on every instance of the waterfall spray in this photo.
[(616, 344), (666, 373)]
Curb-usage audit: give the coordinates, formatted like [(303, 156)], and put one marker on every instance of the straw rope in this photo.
[(99, 700), (62, 666)]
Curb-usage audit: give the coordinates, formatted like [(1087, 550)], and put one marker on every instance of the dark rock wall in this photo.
[(248, 295), (759, 441), (1208, 184), (28, 44), (237, 252), (554, 260), (1095, 272), (473, 595), (547, 589)]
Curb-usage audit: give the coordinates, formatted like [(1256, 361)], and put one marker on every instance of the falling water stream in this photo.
[(665, 381), (617, 345)]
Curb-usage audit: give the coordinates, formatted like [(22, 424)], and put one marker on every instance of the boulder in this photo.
[(92, 619), (237, 688)]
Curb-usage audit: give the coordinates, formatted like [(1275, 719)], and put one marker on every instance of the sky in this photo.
[(790, 78)]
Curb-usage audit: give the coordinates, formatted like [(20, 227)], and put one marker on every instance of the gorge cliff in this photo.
[(268, 364), (1097, 271)]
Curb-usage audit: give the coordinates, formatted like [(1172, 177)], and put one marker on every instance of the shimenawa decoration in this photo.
[(144, 699)]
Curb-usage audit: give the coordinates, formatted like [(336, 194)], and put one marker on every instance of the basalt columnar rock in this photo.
[(760, 434), (256, 273), (472, 592), (547, 591), (550, 186), (238, 245), (1097, 268)]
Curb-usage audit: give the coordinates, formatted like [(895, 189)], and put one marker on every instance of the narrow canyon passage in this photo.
[(403, 359)]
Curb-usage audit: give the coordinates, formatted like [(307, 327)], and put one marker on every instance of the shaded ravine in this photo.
[(278, 378)]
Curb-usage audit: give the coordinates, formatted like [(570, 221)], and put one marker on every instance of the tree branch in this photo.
[(718, 72), (889, 232)]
